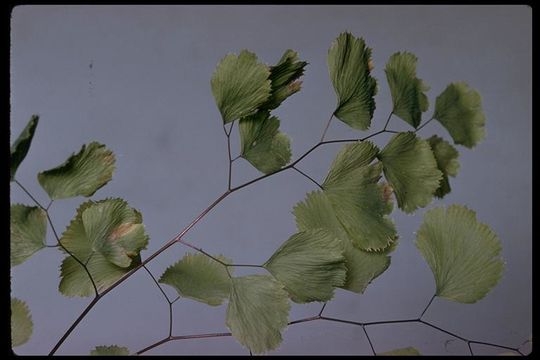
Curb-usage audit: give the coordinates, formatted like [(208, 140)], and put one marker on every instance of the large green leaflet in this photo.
[(360, 207), (459, 109), (82, 174), (310, 264), (411, 169), (284, 77), (20, 147), (21, 322), (199, 278), (28, 228), (240, 85), (408, 351), (409, 100), (447, 162), (463, 253), (112, 350), (74, 280), (349, 64), (316, 212), (262, 144), (107, 234), (357, 199), (258, 311)]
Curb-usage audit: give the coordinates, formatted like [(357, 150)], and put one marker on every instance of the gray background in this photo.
[(147, 97)]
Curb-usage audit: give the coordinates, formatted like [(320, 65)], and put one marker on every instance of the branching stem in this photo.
[(179, 239), (356, 323)]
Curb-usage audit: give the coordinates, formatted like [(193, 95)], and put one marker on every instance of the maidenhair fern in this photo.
[(345, 236)]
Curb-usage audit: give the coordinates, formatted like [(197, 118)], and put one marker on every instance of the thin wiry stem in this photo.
[(30, 195), (170, 318), (307, 176), (312, 318), (236, 158), (322, 309), (200, 336), (429, 303), (326, 127), (228, 134), (390, 322), (424, 124), (72, 327), (244, 265), (181, 241), (494, 345), (156, 344), (369, 341), (388, 120), (470, 348), (442, 330), (340, 320), (157, 284)]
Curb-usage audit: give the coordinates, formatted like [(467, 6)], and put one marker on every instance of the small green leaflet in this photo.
[(316, 212), (20, 147), (109, 227), (349, 64), (113, 350), (258, 311), (240, 85), (28, 228), (350, 159), (408, 351), (74, 280), (109, 235), (284, 77), (262, 144), (115, 230), (310, 264), (409, 100), (463, 254), (199, 278), (411, 169), (459, 109), (447, 162), (363, 266), (82, 174), (21, 323)]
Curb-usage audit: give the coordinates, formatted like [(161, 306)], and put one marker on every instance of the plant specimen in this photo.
[(345, 234)]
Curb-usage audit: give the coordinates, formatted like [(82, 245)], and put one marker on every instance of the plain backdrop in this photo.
[(137, 78)]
